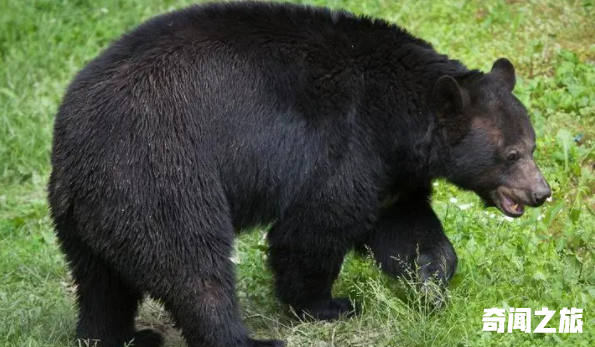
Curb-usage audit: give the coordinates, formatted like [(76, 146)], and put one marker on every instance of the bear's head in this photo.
[(491, 140)]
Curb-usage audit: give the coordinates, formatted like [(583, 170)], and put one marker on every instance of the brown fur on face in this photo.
[(488, 126)]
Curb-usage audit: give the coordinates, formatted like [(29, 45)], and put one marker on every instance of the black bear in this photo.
[(202, 122)]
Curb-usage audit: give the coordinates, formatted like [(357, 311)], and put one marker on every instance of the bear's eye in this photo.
[(513, 156)]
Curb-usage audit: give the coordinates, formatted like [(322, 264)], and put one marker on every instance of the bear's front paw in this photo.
[(435, 270), (329, 310), (439, 265), (266, 343)]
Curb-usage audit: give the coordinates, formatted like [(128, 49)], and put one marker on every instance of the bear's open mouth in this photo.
[(508, 204), (511, 207)]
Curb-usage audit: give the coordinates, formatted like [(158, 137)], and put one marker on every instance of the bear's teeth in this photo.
[(515, 207)]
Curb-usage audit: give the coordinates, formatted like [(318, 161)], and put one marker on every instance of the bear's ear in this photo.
[(448, 96), (503, 70), (450, 100)]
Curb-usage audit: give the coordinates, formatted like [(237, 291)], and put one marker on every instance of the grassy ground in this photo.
[(543, 259)]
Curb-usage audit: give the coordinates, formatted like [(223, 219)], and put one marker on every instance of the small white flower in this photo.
[(464, 207), (540, 217), (549, 199), (492, 215), (435, 184), (453, 200), (235, 259), (510, 219)]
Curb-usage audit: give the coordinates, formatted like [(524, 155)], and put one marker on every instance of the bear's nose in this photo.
[(542, 193)]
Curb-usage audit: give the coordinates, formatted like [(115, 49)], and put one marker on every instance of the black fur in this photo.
[(205, 121)]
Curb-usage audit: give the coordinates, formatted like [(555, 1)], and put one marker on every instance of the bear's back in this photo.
[(263, 95)]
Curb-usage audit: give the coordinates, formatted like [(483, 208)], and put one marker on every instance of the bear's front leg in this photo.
[(408, 239), (305, 266), (307, 248)]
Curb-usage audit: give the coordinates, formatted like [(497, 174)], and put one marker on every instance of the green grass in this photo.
[(545, 258)]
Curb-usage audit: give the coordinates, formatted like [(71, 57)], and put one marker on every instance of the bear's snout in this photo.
[(536, 187), (541, 191)]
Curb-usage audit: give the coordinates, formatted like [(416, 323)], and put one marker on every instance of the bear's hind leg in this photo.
[(204, 306), (107, 305), (182, 259)]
